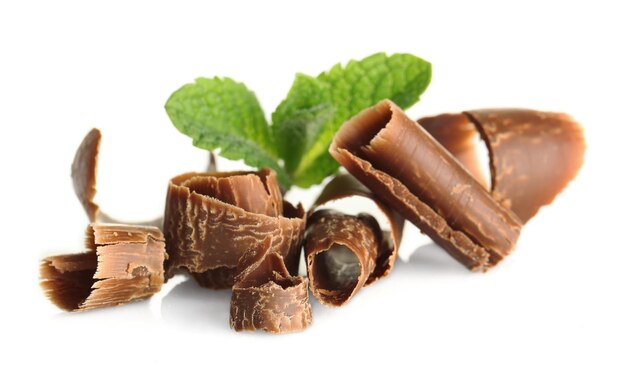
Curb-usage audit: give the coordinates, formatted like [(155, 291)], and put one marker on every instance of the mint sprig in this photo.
[(221, 113)]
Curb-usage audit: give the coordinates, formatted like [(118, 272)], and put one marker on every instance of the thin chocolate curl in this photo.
[(406, 168), (84, 176), (212, 219), (265, 296), (123, 263), (345, 252), (533, 155)]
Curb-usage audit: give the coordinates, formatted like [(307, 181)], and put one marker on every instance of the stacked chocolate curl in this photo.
[(234, 230)]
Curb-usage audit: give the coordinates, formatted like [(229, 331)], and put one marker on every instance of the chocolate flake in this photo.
[(123, 263), (265, 296), (211, 219), (407, 169), (533, 155)]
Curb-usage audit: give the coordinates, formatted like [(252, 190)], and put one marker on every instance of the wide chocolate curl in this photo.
[(211, 219), (406, 168), (532, 155), (123, 263), (265, 296), (345, 252)]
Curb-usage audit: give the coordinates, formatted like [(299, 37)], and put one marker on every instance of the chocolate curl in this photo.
[(346, 186), (265, 296), (211, 219), (532, 155), (341, 252), (84, 172), (123, 263), (345, 252), (407, 169)]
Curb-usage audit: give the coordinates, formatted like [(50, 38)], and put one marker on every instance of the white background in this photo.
[(553, 311)]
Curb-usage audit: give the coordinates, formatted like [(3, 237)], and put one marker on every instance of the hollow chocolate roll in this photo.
[(345, 252), (533, 155), (406, 168), (211, 219), (341, 252), (265, 296), (123, 263)]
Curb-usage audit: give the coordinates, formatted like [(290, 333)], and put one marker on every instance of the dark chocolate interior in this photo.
[(337, 270)]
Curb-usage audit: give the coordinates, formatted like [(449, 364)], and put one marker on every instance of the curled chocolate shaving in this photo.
[(84, 172), (341, 252), (345, 252), (407, 169), (123, 263), (211, 219), (532, 155), (265, 296)]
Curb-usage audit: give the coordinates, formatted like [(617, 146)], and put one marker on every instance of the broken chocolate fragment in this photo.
[(211, 219), (532, 155), (123, 263), (265, 296), (406, 168)]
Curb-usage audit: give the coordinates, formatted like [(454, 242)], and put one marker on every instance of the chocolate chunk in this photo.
[(123, 263), (406, 168), (265, 296), (211, 219), (84, 172), (533, 155)]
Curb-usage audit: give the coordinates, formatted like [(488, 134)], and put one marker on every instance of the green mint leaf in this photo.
[(401, 78), (297, 121), (221, 113)]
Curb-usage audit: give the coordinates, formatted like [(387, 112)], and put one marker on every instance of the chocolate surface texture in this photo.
[(406, 168), (212, 219), (265, 296), (533, 155)]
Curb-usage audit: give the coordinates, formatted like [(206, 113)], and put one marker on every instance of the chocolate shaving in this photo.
[(84, 172), (345, 252), (123, 263), (211, 219), (407, 169), (265, 296), (532, 155)]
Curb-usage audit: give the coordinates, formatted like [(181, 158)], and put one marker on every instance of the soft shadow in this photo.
[(135, 308), (190, 305), (430, 258)]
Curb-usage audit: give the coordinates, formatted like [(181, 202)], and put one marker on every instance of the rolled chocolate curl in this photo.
[(341, 252), (533, 155), (211, 219), (407, 169), (84, 176), (338, 261), (265, 296), (123, 263)]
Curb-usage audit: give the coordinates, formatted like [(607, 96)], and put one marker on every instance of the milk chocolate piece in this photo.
[(211, 219), (123, 263), (84, 172), (341, 253), (84, 169), (406, 168), (265, 296), (334, 244), (532, 155)]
